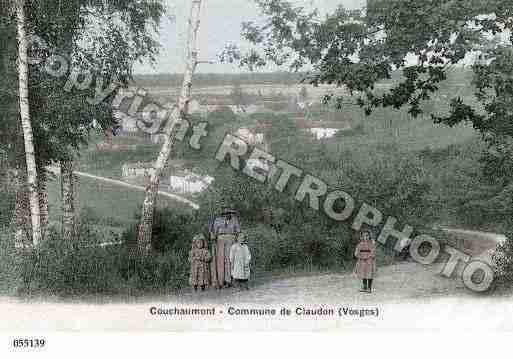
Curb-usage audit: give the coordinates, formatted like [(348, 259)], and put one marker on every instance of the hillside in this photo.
[(383, 130)]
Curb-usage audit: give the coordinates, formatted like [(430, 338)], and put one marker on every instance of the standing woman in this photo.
[(223, 231), (365, 254)]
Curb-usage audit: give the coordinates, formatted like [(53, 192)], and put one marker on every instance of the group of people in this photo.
[(228, 260)]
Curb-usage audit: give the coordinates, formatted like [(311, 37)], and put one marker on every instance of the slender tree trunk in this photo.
[(26, 125), (22, 207), (43, 200), (146, 225), (68, 205), (23, 230), (21, 218), (76, 204)]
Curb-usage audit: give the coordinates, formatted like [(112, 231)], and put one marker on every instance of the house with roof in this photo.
[(187, 183), (252, 137), (127, 124)]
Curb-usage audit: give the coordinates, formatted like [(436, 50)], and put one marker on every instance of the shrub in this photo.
[(85, 266), (358, 130), (503, 259), (80, 266), (222, 114), (301, 247), (10, 274), (97, 262), (7, 200), (172, 231)]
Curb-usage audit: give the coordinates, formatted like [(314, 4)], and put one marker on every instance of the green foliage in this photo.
[(503, 259), (7, 195), (95, 264), (10, 263), (223, 114), (62, 121), (299, 247), (468, 189), (172, 231), (358, 130), (391, 181), (62, 267), (360, 49), (7, 201), (9, 131)]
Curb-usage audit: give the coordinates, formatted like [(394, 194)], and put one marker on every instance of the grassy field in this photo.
[(109, 204), (110, 163)]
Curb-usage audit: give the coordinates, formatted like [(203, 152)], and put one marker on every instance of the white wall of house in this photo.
[(323, 133), (189, 184), (128, 123), (249, 137)]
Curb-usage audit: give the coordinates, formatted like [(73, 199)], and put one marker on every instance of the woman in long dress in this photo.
[(223, 231), (365, 254)]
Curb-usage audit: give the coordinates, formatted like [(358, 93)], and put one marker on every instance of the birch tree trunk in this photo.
[(23, 228), (75, 183), (178, 114), (26, 125), (68, 205), (43, 200)]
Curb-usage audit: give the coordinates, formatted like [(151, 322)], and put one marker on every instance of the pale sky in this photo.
[(220, 25)]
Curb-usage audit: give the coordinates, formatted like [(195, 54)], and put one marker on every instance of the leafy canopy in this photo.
[(421, 38)]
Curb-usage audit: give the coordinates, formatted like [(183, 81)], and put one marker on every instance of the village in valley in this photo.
[(296, 103)]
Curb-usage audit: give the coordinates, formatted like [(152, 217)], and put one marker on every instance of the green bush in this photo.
[(503, 259), (7, 201), (172, 231), (99, 264), (10, 263), (62, 267), (358, 130), (158, 272), (301, 247)]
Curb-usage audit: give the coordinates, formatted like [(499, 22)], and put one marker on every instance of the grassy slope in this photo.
[(110, 203)]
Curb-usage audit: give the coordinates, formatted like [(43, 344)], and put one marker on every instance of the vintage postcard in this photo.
[(255, 165)]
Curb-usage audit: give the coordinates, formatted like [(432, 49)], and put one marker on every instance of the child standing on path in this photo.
[(199, 257), (365, 254), (240, 257)]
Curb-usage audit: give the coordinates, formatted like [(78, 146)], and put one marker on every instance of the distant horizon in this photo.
[(462, 66), (221, 73)]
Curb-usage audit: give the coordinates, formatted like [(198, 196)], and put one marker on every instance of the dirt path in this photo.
[(407, 296)]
